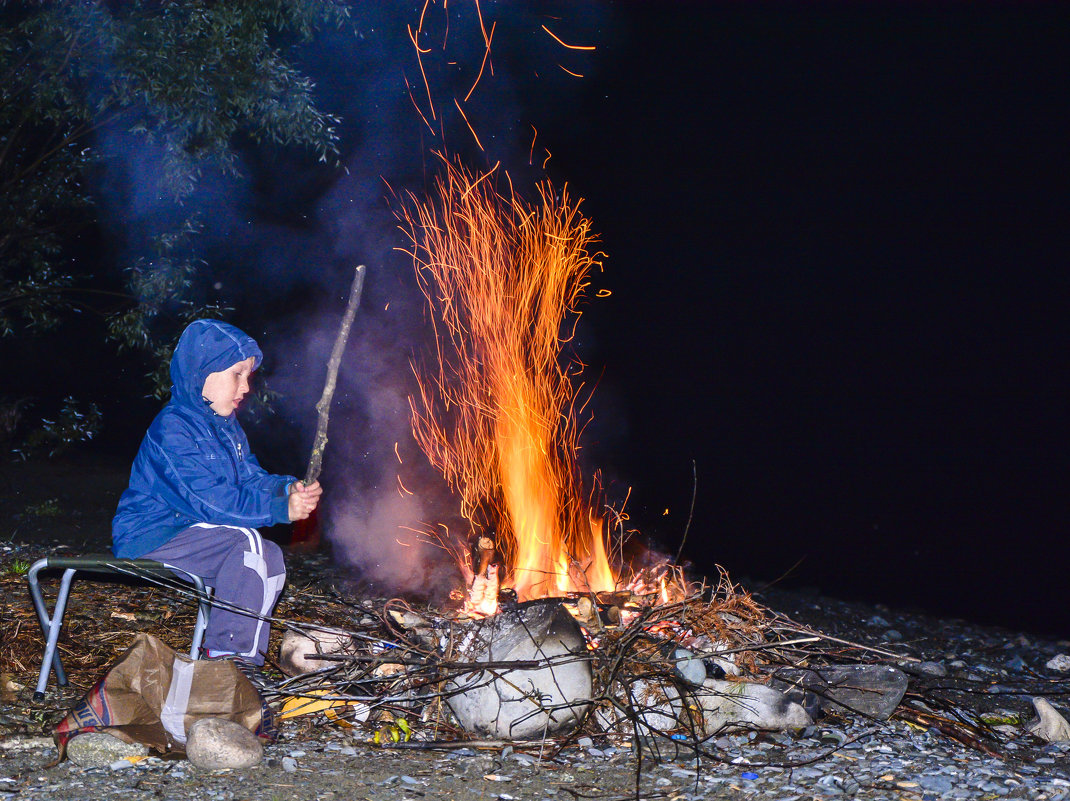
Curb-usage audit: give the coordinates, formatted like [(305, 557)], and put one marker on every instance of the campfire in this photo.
[(498, 410), (551, 637)]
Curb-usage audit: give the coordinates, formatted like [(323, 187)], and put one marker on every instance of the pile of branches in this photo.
[(398, 666)]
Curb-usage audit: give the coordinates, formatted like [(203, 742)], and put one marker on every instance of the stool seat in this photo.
[(102, 567)]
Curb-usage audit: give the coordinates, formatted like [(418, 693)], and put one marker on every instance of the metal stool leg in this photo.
[(51, 625), (42, 614), (52, 632), (204, 609)]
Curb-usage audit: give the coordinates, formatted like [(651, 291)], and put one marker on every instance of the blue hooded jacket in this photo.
[(194, 466)]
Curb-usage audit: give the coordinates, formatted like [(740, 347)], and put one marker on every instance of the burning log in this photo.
[(524, 703), (483, 590), (588, 615), (486, 554)]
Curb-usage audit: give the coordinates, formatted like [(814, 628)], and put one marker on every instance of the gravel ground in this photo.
[(987, 671)]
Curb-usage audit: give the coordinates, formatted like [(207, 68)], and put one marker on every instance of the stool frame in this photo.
[(101, 565)]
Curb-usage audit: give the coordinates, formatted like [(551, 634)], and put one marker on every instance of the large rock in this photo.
[(95, 749), (523, 703), (655, 702), (1049, 725), (728, 705), (217, 743), (871, 690), (297, 654)]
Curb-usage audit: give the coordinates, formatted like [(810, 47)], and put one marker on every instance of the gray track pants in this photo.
[(245, 570)]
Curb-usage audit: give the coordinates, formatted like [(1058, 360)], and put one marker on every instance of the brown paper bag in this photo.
[(152, 695)]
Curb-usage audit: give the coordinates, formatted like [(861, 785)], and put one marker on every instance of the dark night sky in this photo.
[(836, 239)]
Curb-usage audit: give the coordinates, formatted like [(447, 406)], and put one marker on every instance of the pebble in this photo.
[(939, 784), (934, 669), (217, 744)]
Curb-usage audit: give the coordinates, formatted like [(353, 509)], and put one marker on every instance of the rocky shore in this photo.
[(992, 673), (975, 746)]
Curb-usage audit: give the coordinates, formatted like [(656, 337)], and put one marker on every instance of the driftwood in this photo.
[(323, 408)]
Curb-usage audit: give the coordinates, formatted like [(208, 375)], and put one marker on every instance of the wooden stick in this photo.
[(967, 735), (486, 554), (691, 514), (319, 444)]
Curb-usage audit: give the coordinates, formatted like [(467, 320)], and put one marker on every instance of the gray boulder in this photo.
[(871, 690), (523, 703), (728, 705), (217, 743), (297, 654), (1049, 725), (97, 749)]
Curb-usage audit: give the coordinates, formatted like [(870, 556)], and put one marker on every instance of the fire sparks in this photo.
[(496, 412)]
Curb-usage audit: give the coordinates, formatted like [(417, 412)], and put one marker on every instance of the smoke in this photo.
[(282, 235)]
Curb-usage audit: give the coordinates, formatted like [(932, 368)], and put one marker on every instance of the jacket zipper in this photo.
[(234, 443)]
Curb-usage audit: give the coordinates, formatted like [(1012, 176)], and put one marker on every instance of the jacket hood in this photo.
[(207, 346)]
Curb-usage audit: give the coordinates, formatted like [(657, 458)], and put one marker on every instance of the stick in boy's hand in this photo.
[(303, 499), (315, 461)]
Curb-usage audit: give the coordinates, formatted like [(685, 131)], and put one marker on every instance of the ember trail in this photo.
[(498, 410)]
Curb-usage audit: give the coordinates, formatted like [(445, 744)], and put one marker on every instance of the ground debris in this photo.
[(960, 724)]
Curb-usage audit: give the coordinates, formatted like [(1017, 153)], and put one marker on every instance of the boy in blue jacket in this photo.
[(197, 494)]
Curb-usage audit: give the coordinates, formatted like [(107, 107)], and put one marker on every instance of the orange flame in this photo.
[(496, 411)]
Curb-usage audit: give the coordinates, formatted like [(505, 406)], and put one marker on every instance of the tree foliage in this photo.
[(187, 77)]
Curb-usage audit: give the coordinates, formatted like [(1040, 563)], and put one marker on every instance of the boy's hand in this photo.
[(303, 500)]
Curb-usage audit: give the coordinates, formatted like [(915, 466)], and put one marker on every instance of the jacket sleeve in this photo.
[(198, 479), (271, 483)]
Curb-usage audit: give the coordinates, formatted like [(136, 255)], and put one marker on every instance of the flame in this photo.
[(496, 410)]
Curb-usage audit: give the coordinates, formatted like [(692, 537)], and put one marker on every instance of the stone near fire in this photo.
[(299, 648), (871, 690), (1049, 725), (218, 744), (655, 702), (99, 748), (688, 665), (717, 666), (524, 703), (1060, 663), (728, 705)]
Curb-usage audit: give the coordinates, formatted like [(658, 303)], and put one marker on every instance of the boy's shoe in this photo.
[(97, 749)]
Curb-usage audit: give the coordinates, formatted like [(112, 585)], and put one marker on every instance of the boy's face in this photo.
[(224, 390)]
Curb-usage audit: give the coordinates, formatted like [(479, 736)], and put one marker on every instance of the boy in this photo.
[(196, 493)]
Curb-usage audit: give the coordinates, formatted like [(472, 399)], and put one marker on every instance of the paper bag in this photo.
[(152, 695)]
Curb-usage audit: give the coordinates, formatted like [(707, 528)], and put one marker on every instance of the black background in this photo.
[(836, 239)]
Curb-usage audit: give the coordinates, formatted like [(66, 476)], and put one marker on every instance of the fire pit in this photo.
[(546, 627)]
